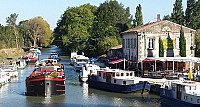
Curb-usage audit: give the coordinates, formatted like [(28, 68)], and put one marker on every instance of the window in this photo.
[(177, 43), (128, 43), (134, 42), (198, 100), (122, 74), (100, 74), (113, 74), (124, 82), (124, 43), (117, 74), (131, 74), (114, 81), (127, 74), (131, 43), (151, 43)]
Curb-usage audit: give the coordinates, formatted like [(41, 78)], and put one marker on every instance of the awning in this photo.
[(119, 60)]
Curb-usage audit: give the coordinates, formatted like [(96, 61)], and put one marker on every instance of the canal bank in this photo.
[(77, 94)]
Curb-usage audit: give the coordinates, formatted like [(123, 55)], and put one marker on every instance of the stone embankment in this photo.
[(13, 53)]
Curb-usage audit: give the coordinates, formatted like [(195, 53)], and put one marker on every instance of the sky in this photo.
[(51, 10)]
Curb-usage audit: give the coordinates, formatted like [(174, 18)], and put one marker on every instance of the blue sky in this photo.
[(51, 10)]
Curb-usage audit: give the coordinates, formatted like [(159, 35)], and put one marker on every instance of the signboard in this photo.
[(168, 44)]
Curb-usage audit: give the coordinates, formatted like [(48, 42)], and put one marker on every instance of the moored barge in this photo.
[(46, 82)]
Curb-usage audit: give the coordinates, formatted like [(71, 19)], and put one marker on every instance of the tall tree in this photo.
[(161, 48), (167, 17), (11, 21), (39, 31), (178, 14), (138, 21), (197, 43), (182, 43), (197, 15), (189, 13)]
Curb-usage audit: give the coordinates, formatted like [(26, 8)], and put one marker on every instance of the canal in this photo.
[(77, 94)]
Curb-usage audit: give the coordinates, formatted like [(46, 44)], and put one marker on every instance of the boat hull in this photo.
[(45, 87), (172, 102), (139, 87)]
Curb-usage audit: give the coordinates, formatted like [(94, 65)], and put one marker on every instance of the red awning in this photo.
[(152, 60), (118, 61)]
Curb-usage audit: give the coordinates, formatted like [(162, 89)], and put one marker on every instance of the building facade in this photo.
[(143, 41)]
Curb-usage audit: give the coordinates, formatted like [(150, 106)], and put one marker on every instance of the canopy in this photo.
[(92, 59), (119, 60)]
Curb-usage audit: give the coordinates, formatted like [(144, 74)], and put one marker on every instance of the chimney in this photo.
[(158, 17)]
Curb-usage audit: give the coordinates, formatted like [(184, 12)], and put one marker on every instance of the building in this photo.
[(115, 51), (143, 41)]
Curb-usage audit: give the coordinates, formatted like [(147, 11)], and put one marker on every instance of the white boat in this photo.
[(180, 94), (88, 69), (118, 81), (79, 62), (19, 64), (50, 64), (54, 55), (4, 78), (10, 69)]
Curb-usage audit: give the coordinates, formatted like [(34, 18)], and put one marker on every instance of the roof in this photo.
[(117, 47), (151, 24)]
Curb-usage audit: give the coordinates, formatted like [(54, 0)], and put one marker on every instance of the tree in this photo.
[(167, 17), (39, 31), (11, 21), (161, 48), (189, 13), (197, 15), (182, 43), (178, 14), (138, 21), (197, 43)]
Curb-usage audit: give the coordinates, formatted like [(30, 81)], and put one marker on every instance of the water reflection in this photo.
[(31, 100)]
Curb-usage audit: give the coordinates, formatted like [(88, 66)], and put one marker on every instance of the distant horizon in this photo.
[(51, 10)]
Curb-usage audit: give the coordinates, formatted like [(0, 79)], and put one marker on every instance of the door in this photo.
[(108, 77), (178, 90)]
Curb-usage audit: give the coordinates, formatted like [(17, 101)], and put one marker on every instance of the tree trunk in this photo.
[(16, 36)]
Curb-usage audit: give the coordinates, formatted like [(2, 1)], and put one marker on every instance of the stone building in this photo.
[(115, 51), (143, 41)]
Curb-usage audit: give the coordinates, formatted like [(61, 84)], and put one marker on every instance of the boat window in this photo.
[(117, 74), (191, 99), (114, 80), (122, 74), (127, 74), (100, 74), (124, 82), (131, 74), (198, 100), (113, 74), (104, 75), (190, 88)]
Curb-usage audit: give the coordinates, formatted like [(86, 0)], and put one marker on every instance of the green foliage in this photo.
[(85, 28), (138, 21), (167, 17), (189, 13), (177, 15), (38, 30), (197, 42), (161, 48), (54, 74), (182, 43), (196, 16)]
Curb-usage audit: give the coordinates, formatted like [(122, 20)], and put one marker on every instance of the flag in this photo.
[(190, 75)]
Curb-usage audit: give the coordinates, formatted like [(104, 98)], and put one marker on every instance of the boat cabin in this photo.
[(116, 76), (187, 91)]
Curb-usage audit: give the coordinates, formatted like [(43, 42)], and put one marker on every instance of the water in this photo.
[(77, 94)]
